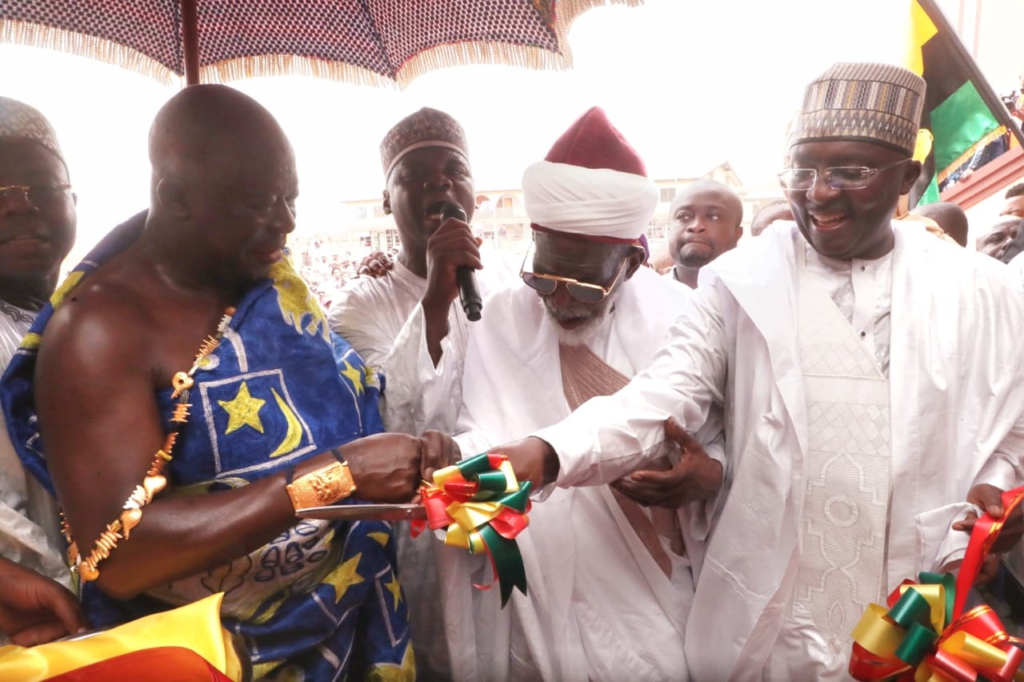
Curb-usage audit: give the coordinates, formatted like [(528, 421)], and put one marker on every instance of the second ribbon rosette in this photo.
[(923, 632), (481, 504)]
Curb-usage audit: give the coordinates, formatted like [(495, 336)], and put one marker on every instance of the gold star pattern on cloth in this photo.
[(243, 410), (344, 576), (353, 375), (384, 672), (395, 589)]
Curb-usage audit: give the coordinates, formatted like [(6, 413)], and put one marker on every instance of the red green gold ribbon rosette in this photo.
[(483, 507), (924, 634)]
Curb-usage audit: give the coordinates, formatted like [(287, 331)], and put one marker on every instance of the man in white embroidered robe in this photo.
[(872, 377), (609, 581)]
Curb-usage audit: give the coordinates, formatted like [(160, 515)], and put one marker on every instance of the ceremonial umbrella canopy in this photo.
[(376, 42)]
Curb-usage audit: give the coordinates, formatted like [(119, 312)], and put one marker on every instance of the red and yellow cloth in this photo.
[(924, 634), (184, 644)]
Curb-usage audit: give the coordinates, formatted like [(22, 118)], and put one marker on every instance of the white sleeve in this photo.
[(941, 547), (352, 317), (29, 522), (1004, 468), (611, 436), (417, 396)]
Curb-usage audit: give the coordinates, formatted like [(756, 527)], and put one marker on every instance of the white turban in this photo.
[(598, 203)]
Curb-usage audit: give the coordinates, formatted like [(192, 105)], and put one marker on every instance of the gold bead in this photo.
[(153, 485), (87, 572), (181, 381), (129, 519), (180, 412), (107, 542)]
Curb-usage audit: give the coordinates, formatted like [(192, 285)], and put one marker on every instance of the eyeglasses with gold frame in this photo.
[(36, 195)]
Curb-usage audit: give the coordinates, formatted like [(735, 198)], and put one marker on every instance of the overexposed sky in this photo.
[(690, 84)]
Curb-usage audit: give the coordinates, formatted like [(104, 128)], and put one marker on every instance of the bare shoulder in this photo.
[(101, 323)]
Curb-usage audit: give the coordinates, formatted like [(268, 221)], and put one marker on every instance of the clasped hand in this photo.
[(389, 467), (695, 477)]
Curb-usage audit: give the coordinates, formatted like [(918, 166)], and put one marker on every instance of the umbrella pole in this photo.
[(190, 41)]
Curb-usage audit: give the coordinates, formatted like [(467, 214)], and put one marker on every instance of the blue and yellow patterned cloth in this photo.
[(322, 600)]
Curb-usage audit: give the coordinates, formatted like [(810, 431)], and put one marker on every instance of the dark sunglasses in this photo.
[(584, 292)]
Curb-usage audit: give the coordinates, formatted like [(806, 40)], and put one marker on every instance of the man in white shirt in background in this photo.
[(706, 219), (872, 378)]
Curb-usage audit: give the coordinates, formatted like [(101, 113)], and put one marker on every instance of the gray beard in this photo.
[(582, 335)]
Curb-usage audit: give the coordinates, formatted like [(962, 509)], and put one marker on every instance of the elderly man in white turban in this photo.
[(609, 581), (873, 380)]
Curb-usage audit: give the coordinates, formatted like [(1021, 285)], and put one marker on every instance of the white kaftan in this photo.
[(29, 525), (956, 396)]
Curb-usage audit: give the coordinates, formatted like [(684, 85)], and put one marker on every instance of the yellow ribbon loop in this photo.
[(878, 634), (472, 515), (974, 651)]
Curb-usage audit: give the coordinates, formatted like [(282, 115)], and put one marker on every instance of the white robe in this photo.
[(29, 524), (599, 608), (957, 399)]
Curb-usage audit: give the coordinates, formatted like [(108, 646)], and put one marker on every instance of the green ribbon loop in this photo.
[(910, 610), (917, 644), (492, 484), (474, 466), (507, 562), (519, 499), (948, 582)]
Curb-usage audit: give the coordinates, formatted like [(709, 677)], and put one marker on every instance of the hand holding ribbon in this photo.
[(925, 635), (481, 504)]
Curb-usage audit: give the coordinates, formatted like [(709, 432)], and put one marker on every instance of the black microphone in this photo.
[(465, 277)]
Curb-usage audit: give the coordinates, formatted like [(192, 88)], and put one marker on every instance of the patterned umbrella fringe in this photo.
[(100, 49), (467, 53), (290, 65), (441, 56), (489, 52)]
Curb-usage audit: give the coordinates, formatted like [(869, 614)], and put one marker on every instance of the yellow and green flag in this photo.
[(961, 109)]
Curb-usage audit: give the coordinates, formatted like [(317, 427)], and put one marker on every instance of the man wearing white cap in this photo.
[(609, 581), (872, 378)]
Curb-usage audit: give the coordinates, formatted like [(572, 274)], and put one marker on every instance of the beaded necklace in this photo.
[(156, 476)]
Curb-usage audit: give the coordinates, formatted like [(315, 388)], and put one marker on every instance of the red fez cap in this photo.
[(593, 142)]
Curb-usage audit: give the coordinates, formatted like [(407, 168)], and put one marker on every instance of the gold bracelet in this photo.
[(321, 487)]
